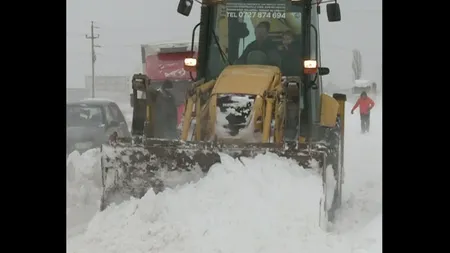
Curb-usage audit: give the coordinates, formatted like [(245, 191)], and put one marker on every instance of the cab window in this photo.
[(257, 32)]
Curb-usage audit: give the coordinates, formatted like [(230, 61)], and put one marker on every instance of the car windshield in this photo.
[(264, 32), (84, 115)]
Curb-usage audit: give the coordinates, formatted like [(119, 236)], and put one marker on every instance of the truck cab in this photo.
[(165, 61)]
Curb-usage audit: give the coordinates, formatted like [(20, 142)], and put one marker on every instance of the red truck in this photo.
[(165, 61)]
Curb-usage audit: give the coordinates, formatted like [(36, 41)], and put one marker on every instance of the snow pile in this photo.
[(369, 239), (361, 214), (84, 188), (265, 204)]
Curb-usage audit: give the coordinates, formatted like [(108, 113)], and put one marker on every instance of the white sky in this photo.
[(125, 24)]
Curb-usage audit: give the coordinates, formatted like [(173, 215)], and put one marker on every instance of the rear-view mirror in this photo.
[(323, 71), (333, 12), (185, 7)]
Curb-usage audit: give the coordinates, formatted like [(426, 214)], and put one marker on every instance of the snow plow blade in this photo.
[(130, 170)]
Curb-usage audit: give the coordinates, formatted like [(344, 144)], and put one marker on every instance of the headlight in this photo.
[(190, 62), (310, 64), (84, 145)]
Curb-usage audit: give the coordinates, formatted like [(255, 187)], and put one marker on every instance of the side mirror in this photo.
[(323, 71), (333, 12), (185, 7)]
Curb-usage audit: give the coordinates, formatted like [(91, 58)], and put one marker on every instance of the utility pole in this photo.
[(92, 37)]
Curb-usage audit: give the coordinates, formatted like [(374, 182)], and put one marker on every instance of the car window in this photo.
[(109, 115), (84, 115), (116, 113)]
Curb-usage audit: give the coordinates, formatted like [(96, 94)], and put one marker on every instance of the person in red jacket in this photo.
[(365, 104)]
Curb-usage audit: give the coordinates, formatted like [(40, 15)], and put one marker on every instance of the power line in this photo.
[(93, 37)]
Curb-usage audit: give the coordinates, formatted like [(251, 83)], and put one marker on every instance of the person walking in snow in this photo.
[(365, 104)]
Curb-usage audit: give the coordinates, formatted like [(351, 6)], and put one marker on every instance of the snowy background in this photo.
[(267, 205), (125, 24)]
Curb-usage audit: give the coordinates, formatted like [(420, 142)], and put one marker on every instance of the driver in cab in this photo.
[(262, 43)]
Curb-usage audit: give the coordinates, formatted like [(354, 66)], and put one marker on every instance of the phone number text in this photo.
[(256, 14)]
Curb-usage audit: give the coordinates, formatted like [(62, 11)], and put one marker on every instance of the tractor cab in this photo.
[(281, 33)]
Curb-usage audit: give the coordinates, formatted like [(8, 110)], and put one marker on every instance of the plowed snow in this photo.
[(83, 191), (247, 204), (266, 204)]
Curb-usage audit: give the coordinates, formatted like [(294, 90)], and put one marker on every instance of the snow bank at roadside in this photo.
[(83, 189), (370, 238)]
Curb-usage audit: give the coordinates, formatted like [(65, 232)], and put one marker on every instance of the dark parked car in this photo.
[(91, 122)]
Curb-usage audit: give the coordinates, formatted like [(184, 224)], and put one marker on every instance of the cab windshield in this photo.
[(264, 32)]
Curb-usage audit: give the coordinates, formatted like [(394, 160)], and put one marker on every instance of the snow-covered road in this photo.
[(266, 204)]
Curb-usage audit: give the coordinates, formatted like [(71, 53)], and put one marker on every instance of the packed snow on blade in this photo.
[(130, 171)]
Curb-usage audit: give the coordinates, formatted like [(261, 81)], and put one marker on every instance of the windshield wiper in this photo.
[(222, 54)]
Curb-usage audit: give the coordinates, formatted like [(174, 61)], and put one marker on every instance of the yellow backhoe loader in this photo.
[(258, 89)]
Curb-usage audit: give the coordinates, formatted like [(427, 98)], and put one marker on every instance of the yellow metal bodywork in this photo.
[(248, 79), (262, 81), (341, 113), (328, 111), (187, 116), (341, 99)]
